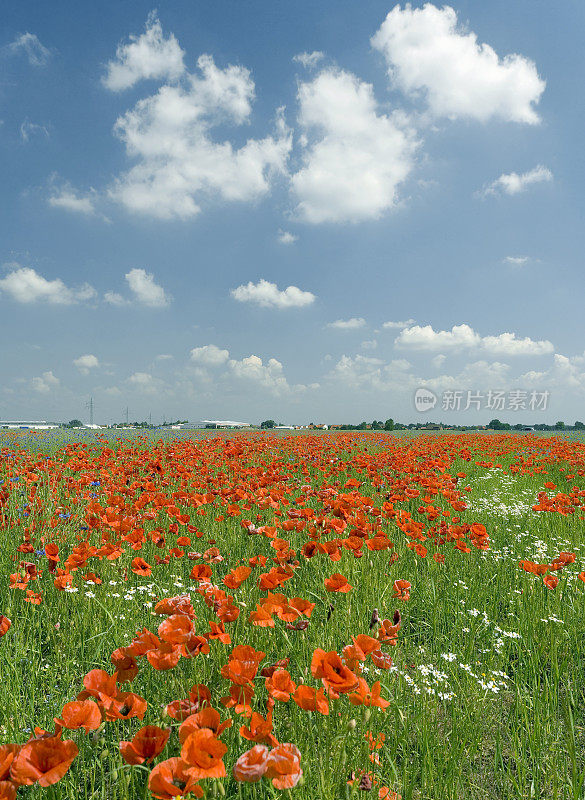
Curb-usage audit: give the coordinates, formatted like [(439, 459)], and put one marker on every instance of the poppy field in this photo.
[(261, 616)]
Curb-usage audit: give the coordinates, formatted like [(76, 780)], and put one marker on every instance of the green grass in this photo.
[(487, 698)]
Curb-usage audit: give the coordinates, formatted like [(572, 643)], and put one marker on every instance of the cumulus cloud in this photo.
[(28, 129), (86, 363), (45, 383), (285, 237), (517, 261), (69, 199), (269, 376), (424, 337), (514, 183), (29, 44), (404, 324), (25, 285), (209, 355), (309, 60), (508, 344), (428, 53), (115, 299), (369, 344), (145, 383), (355, 157), (347, 324), (149, 56), (145, 291), (178, 164), (268, 295)]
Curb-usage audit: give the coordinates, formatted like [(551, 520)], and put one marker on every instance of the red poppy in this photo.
[(172, 778), (147, 744), (43, 761), (283, 765), (251, 765), (5, 624), (80, 714), (203, 751), (337, 583)]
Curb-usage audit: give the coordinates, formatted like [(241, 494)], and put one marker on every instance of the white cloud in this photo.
[(369, 344), (115, 299), (45, 383), (517, 261), (438, 361), (423, 337), (28, 129), (463, 336), (86, 363), (269, 376), (514, 183), (179, 166), (285, 237), (403, 324), (145, 383), (268, 295), (145, 290), (309, 60), (507, 344), (25, 285), (67, 198), (38, 55), (348, 324), (209, 355), (164, 357), (149, 56), (355, 158), (428, 53)]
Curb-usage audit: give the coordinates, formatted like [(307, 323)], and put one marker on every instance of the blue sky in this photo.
[(303, 211)]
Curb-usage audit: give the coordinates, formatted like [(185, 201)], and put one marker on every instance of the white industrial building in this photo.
[(37, 425)]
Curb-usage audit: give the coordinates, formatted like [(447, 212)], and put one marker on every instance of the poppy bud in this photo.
[(366, 714), (352, 725), (365, 784), (375, 620)]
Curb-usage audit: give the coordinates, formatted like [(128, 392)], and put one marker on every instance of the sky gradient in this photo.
[(298, 211)]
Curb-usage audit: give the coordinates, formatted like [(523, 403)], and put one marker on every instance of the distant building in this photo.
[(226, 423), (37, 425)]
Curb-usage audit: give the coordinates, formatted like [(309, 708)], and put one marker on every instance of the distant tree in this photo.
[(389, 425), (268, 423), (560, 425), (362, 426), (75, 423), (496, 425), (579, 426)]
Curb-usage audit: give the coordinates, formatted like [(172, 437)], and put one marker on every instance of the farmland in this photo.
[(329, 616)]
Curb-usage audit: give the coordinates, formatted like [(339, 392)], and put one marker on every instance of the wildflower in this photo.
[(44, 761), (147, 744)]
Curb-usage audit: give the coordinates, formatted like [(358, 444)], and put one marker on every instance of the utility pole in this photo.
[(90, 406), (127, 423)]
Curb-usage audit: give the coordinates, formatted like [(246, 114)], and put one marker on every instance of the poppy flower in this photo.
[(310, 699), (7, 790), (175, 629), (181, 604), (551, 581), (364, 696), (206, 718), (147, 744), (7, 754), (140, 567), (80, 714), (5, 624), (251, 765), (164, 656), (334, 675), (337, 583), (401, 590), (259, 730), (172, 778), (43, 761), (203, 751), (280, 685), (125, 664), (283, 765)]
